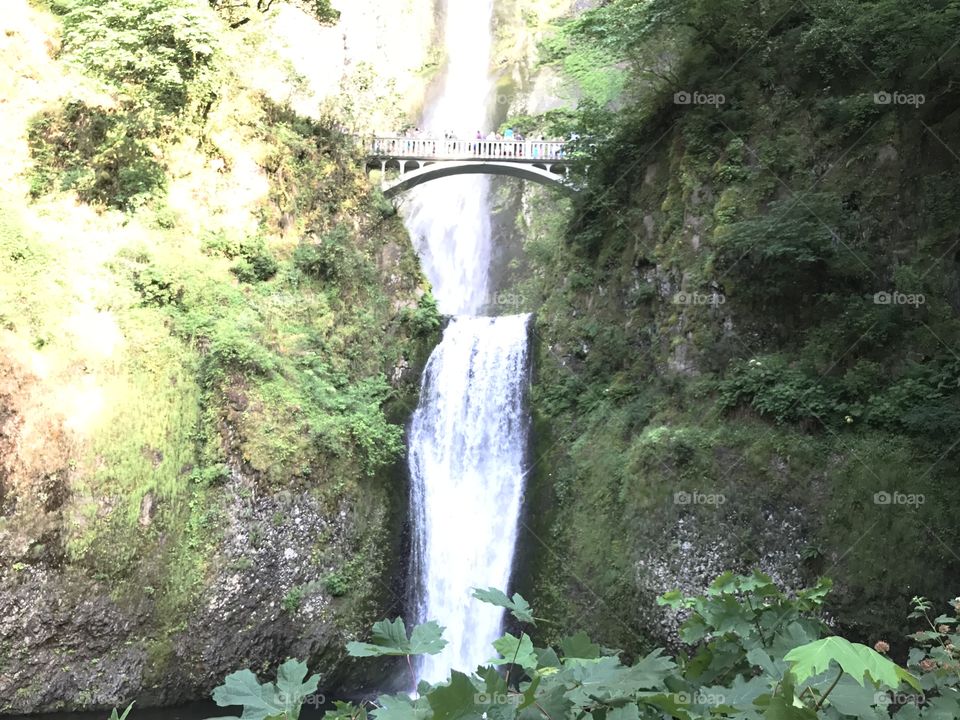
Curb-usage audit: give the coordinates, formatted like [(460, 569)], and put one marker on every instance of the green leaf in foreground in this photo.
[(783, 703), (517, 606), (630, 711), (518, 651), (400, 707), (855, 659), (455, 699), (243, 688), (390, 638), (268, 700), (115, 716), (293, 685), (579, 646)]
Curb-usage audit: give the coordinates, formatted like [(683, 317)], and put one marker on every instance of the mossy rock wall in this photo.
[(204, 384), (730, 371)]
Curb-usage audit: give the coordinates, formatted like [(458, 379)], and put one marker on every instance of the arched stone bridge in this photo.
[(420, 160)]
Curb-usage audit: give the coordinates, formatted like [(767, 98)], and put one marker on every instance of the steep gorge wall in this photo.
[(202, 395), (717, 385)]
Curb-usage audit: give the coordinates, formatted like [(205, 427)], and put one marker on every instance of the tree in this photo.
[(240, 12)]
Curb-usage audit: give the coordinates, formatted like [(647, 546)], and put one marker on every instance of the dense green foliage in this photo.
[(750, 651), (156, 51), (239, 12), (756, 299), (256, 317), (278, 338), (158, 60)]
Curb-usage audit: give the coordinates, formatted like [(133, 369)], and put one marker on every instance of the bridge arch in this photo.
[(536, 172)]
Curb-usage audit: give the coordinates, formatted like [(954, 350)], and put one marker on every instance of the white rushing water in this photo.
[(467, 446), (449, 220), (467, 438)]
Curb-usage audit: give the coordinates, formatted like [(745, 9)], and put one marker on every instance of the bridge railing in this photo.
[(421, 148)]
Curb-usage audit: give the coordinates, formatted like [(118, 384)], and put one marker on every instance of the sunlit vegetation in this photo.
[(158, 288)]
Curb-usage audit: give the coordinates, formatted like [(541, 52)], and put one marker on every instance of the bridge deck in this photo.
[(526, 151)]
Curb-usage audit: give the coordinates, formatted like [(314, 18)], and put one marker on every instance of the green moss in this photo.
[(159, 655), (799, 397), (272, 349)]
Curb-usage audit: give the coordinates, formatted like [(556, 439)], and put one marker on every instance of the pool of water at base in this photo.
[(191, 711)]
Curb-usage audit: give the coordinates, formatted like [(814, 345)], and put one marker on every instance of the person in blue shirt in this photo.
[(508, 137)]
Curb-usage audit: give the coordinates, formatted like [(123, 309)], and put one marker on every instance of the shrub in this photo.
[(230, 348), (425, 319), (103, 154), (162, 48), (328, 258), (254, 261), (293, 599), (156, 287), (336, 584), (259, 267), (210, 475), (922, 402)]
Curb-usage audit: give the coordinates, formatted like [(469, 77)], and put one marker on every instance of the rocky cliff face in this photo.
[(201, 397), (727, 376), (381, 55), (643, 481)]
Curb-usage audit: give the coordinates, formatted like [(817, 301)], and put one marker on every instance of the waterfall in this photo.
[(449, 220), (467, 445), (468, 436)]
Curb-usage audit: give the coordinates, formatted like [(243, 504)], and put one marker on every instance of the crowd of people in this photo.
[(509, 143)]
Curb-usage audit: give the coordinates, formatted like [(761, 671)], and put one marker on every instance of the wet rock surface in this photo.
[(67, 644)]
